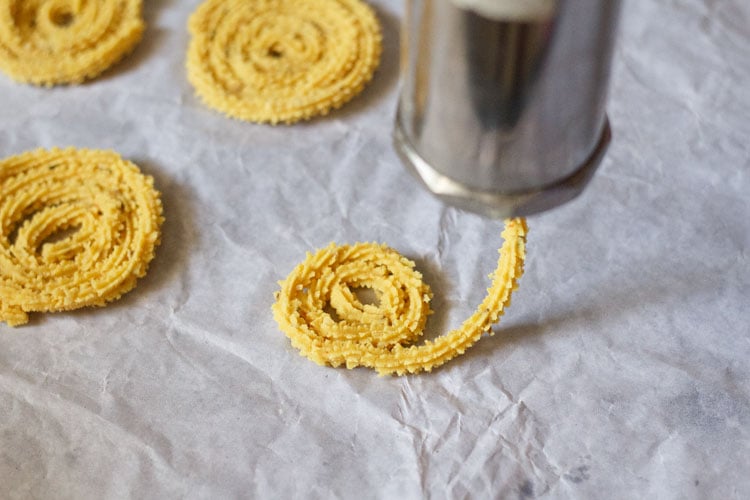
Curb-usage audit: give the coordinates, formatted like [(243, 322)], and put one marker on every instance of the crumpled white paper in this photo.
[(620, 371)]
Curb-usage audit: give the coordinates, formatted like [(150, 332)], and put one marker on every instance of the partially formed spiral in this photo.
[(77, 228), (281, 60), (48, 42), (318, 308)]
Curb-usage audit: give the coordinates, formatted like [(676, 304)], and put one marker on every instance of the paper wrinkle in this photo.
[(89, 413), (620, 369), (185, 357)]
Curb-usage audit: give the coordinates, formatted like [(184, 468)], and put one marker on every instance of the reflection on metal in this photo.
[(505, 117)]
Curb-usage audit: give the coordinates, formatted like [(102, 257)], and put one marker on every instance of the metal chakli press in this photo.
[(502, 105)]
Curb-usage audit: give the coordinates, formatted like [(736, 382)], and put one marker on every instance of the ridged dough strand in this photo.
[(281, 60), (49, 42), (318, 308), (78, 227)]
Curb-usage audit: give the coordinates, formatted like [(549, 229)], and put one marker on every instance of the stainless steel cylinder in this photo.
[(502, 104)]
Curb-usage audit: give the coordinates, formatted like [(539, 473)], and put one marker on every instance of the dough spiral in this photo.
[(281, 60), (48, 42), (319, 312), (77, 228)]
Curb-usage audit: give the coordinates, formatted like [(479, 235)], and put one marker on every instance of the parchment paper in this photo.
[(620, 371)]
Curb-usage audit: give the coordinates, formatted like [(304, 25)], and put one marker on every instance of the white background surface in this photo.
[(620, 371)]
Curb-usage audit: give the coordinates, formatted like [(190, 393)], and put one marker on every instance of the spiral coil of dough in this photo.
[(48, 42), (318, 309), (77, 228), (281, 60)]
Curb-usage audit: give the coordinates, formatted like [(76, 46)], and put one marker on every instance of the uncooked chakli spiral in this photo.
[(281, 60), (77, 228), (318, 309), (47, 42)]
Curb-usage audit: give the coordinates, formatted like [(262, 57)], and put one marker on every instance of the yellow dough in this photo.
[(78, 227), (281, 60), (48, 42), (322, 316)]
